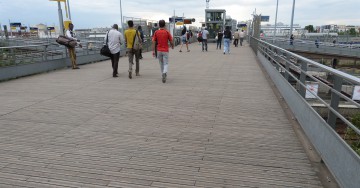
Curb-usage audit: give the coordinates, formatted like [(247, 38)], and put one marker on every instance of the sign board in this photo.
[(187, 21), (313, 87), (356, 93), (177, 19), (241, 25), (265, 18), (14, 25)]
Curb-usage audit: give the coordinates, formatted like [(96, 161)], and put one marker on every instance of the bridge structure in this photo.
[(243, 119)]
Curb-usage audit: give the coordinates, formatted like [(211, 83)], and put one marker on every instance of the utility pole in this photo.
[(60, 19), (207, 4)]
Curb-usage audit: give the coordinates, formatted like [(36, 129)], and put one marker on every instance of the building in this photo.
[(281, 29), (214, 21)]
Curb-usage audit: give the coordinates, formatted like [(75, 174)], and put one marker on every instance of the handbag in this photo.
[(105, 51), (63, 40)]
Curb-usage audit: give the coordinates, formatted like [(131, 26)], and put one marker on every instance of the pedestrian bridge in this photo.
[(218, 121)]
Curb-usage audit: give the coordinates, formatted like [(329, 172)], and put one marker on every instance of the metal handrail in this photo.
[(347, 122), (328, 69)]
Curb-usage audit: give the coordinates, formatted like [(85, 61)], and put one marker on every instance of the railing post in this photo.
[(287, 66), (335, 99), (302, 89), (45, 53)]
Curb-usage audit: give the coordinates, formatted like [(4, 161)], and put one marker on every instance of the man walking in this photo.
[(205, 34), (130, 35), (219, 40), (236, 38), (71, 34), (114, 38), (142, 39), (242, 36), (161, 38)]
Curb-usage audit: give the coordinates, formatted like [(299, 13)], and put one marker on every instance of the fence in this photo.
[(335, 137)]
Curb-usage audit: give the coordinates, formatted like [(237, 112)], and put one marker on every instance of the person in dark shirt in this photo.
[(142, 39), (219, 40), (227, 40)]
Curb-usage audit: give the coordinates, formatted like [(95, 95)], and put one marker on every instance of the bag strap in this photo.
[(107, 38)]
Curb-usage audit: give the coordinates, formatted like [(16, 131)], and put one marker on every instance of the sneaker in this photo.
[(130, 76), (76, 68), (180, 51)]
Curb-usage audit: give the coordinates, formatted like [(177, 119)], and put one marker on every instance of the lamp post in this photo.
[(277, 5), (61, 19), (292, 18), (122, 24), (68, 5)]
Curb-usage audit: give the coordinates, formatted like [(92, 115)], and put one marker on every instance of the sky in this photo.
[(104, 13)]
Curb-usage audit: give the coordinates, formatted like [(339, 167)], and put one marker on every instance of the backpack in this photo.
[(200, 38), (137, 44)]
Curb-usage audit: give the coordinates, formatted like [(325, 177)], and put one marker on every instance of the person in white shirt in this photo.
[(115, 39), (205, 34), (71, 34), (242, 35)]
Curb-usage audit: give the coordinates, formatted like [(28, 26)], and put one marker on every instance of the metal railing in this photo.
[(43, 51), (303, 83), (325, 48)]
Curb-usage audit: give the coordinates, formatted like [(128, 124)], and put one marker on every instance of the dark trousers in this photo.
[(204, 44), (236, 42), (115, 62), (218, 44)]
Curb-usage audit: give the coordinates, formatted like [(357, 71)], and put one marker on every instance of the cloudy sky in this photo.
[(104, 13)]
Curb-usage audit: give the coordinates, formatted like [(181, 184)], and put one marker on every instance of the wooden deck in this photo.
[(215, 123)]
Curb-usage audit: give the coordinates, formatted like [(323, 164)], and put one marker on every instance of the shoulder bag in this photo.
[(105, 51)]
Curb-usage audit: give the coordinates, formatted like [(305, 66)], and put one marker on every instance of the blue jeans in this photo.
[(226, 45), (163, 61)]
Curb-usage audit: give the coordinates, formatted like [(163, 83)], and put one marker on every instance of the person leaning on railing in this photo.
[(71, 34)]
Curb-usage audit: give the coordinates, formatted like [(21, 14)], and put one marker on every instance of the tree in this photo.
[(310, 28), (352, 31)]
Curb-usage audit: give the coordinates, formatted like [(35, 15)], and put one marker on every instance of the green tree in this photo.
[(352, 31), (310, 28)]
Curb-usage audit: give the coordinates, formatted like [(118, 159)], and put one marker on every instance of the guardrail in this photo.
[(325, 48), (26, 59), (307, 87)]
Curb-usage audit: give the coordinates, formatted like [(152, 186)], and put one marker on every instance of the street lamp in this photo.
[(122, 24), (292, 18), (277, 5)]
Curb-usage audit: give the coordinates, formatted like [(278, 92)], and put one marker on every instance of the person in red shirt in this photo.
[(160, 42)]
